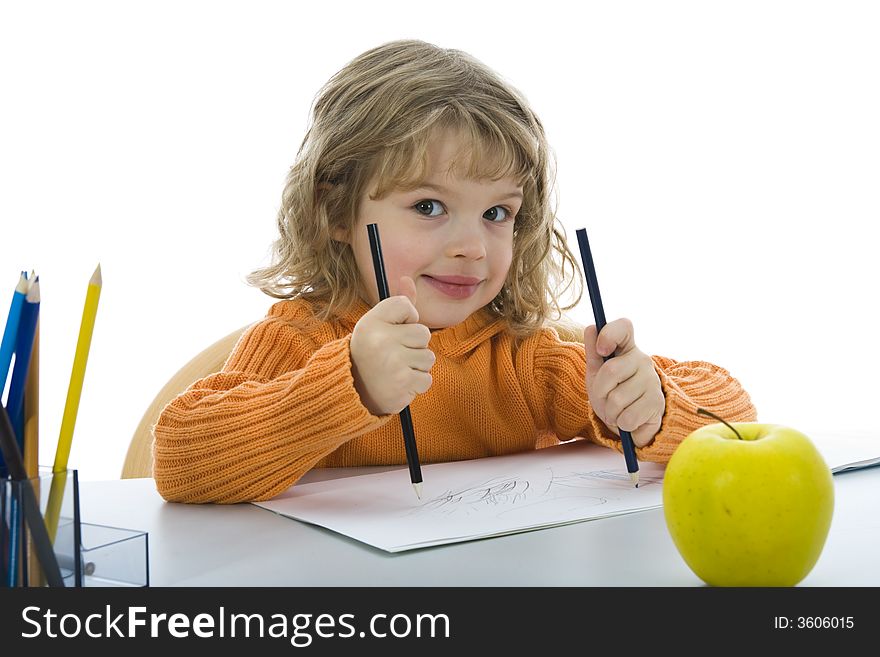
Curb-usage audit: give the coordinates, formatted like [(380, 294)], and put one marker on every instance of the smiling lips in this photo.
[(457, 287)]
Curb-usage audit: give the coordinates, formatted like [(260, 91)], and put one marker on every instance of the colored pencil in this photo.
[(7, 346), (629, 451), (77, 375), (32, 410), (24, 342), (32, 447), (409, 434), (71, 406), (7, 349), (4, 528)]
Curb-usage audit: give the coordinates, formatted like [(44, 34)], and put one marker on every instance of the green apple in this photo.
[(748, 504)]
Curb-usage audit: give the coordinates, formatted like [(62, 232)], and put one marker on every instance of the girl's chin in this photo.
[(437, 324), (439, 314), (434, 326)]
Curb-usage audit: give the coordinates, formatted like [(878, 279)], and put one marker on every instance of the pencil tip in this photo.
[(96, 277), (33, 293), (635, 478), (418, 488)]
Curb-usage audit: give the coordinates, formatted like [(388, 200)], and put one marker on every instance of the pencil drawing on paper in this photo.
[(503, 496)]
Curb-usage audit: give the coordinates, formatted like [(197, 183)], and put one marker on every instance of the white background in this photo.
[(724, 157)]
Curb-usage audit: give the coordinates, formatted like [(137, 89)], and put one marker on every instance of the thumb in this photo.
[(407, 288), (397, 310), (594, 360)]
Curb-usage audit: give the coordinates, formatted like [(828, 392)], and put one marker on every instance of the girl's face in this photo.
[(452, 236)]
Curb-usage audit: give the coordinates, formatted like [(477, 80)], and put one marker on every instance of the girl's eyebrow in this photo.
[(514, 193)]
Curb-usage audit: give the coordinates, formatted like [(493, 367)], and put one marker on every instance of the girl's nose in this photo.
[(466, 240)]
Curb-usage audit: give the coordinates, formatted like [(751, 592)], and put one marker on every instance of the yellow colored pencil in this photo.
[(74, 390), (71, 406)]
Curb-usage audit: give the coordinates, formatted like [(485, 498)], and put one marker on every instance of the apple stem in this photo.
[(703, 411)]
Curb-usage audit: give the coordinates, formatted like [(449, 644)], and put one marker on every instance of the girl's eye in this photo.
[(432, 208), (426, 208), (492, 214)]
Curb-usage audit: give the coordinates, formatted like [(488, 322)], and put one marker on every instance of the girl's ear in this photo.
[(338, 233)]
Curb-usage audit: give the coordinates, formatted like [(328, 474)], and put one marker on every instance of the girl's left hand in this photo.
[(625, 391)]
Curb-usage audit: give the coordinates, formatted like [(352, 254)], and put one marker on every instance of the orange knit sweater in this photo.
[(285, 402)]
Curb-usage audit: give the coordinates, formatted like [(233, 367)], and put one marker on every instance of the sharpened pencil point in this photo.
[(418, 489), (635, 478)]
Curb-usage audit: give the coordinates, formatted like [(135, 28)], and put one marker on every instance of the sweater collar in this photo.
[(455, 341), (463, 338)]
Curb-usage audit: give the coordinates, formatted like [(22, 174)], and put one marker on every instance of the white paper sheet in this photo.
[(465, 500)]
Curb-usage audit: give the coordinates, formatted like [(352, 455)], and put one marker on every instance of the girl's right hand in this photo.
[(389, 353)]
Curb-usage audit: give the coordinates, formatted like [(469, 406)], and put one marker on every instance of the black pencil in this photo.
[(31, 508), (409, 434), (629, 450)]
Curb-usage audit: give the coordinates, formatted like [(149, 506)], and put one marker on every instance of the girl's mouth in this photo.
[(456, 287)]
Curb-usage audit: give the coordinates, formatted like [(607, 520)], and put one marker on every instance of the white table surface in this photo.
[(243, 545)]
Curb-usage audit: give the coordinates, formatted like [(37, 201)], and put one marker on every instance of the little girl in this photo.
[(454, 167)]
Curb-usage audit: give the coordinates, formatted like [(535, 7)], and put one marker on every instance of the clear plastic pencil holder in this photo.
[(39, 530), (114, 557), (43, 542)]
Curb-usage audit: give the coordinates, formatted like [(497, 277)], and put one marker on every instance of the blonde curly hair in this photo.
[(373, 123)]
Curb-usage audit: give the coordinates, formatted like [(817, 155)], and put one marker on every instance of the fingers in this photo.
[(619, 402), (610, 375), (400, 311), (414, 336), (421, 359), (389, 353), (640, 417), (624, 391), (635, 405), (635, 415), (404, 385), (594, 360), (420, 383), (395, 310), (616, 338), (401, 308), (404, 345), (645, 433)]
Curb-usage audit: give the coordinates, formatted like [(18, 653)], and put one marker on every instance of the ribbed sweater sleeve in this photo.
[(285, 402), (687, 385), (249, 432)]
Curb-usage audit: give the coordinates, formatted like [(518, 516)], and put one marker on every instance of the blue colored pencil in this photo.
[(14, 541), (7, 346), (629, 450), (24, 344)]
